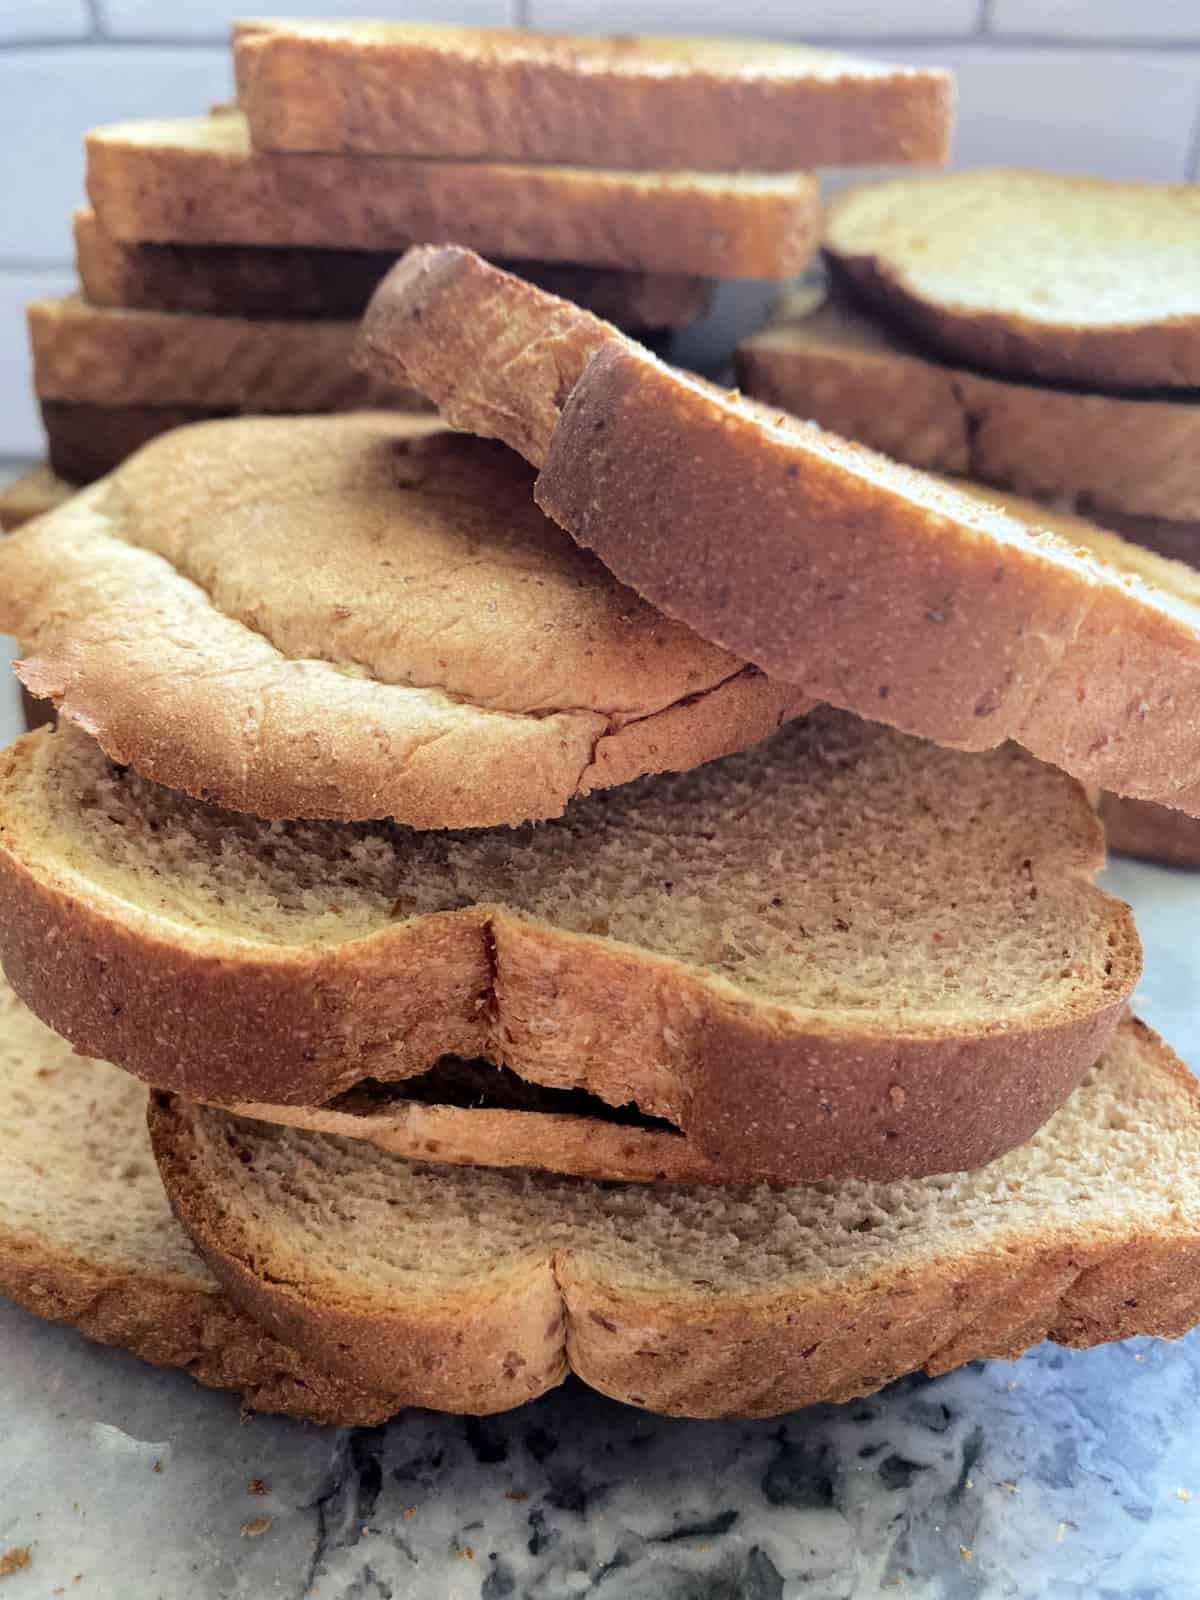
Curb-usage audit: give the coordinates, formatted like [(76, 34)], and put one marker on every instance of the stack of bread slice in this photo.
[(1038, 334), (723, 1008), (225, 258)]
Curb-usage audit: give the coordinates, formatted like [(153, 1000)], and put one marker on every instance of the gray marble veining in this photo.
[(1065, 1474)]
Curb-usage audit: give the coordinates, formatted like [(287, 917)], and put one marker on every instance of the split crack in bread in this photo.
[(1079, 279), (473, 1290), (823, 563), (844, 951), (826, 359), (623, 100), (102, 356), (260, 281), (195, 180), (359, 617), (87, 1236)]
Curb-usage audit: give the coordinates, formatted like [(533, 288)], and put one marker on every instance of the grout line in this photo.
[(1192, 156)]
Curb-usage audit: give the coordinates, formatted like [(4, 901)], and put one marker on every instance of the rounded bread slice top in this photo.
[(843, 951), (867, 583), (359, 617), (472, 1290), (1079, 280)]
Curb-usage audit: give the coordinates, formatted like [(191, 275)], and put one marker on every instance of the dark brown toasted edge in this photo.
[(175, 1323), (714, 516), (1149, 832), (85, 442), (306, 95), (1119, 359), (695, 1351), (754, 1090)]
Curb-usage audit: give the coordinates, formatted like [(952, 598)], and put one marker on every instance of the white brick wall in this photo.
[(1109, 86)]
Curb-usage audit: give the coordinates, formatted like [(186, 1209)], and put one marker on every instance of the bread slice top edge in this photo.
[(822, 562)]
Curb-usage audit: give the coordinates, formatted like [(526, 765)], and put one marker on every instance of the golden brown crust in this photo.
[(503, 95), (1151, 833), (756, 1089), (823, 563), (487, 677), (98, 356), (701, 1351), (1149, 353), (252, 281), (197, 182), (841, 369), (31, 495), (173, 1324)]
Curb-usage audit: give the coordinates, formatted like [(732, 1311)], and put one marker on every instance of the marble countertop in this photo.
[(1063, 1474)]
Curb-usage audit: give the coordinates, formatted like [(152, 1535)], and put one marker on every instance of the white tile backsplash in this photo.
[(49, 98), (1096, 20), (211, 19), (43, 19), (785, 19)]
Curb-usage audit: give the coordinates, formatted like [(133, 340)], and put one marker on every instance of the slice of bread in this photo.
[(37, 491), (823, 563), (196, 181), (85, 442), (1177, 541), (513, 94), (828, 360), (87, 1236), (841, 952), (474, 1290), (99, 356), (255, 281), (1151, 833), (1080, 280), (360, 617)]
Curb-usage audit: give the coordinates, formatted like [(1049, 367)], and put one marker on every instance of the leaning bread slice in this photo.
[(472, 1290), (87, 1236), (195, 180), (844, 951), (359, 617), (33, 493), (823, 563), (96, 355), (825, 359), (515, 94), (256, 281), (1080, 280)]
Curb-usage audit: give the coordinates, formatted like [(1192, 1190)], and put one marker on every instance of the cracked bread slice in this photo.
[(518, 94), (841, 952), (821, 562), (255, 281), (195, 180), (823, 358), (1077, 280), (359, 617), (87, 1236), (474, 1290)]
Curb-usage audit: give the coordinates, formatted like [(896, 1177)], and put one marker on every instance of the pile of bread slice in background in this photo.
[(1035, 333), (723, 1008)]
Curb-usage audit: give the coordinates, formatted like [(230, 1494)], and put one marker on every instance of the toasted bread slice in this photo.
[(823, 563), (87, 1236), (359, 617), (99, 356), (841, 952), (1080, 280), (85, 442), (828, 360), (257, 281), (196, 181), (514, 94), (474, 1290)]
